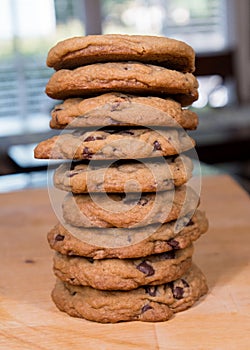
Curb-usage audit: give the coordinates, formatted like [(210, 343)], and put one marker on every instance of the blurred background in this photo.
[(218, 30)]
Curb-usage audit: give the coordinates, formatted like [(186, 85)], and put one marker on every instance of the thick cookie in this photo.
[(121, 176), (123, 274), (130, 210), (128, 77), (121, 110), (78, 51), (127, 243), (148, 303), (116, 144)]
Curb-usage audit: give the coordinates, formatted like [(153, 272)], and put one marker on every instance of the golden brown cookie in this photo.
[(148, 303), (123, 274), (128, 77), (124, 176), (115, 144), (78, 51), (130, 210), (127, 243), (116, 109)]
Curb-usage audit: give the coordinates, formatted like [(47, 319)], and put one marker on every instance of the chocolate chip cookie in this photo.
[(78, 51), (127, 243), (130, 210), (123, 274), (124, 176), (115, 144), (128, 77), (116, 109), (148, 303)]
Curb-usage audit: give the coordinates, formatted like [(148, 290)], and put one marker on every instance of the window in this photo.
[(29, 28), (201, 23), (25, 41)]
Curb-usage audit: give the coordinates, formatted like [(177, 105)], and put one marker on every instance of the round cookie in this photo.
[(120, 176), (140, 242), (148, 303), (123, 274), (78, 51), (116, 109), (116, 144), (130, 210), (128, 77)]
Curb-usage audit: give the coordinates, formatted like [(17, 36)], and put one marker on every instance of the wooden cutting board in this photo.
[(29, 319)]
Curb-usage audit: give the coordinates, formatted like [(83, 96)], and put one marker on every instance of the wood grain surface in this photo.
[(29, 319)]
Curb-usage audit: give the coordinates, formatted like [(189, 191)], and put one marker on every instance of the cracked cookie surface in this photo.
[(130, 210), (121, 110), (123, 274), (124, 176), (115, 144), (78, 51), (127, 243), (127, 77), (148, 303)]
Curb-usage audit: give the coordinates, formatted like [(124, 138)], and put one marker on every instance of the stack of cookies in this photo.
[(123, 250)]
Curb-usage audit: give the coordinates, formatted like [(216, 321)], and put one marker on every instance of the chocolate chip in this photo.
[(173, 244), (151, 290), (86, 153), (143, 201), (115, 106), (178, 292), (145, 268), (146, 308), (167, 255), (73, 293), (90, 138), (93, 138), (185, 284), (129, 239), (157, 146), (59, 237), (91, 260)]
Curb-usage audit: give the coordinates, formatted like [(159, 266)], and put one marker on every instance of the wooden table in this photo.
[(29, 319)]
